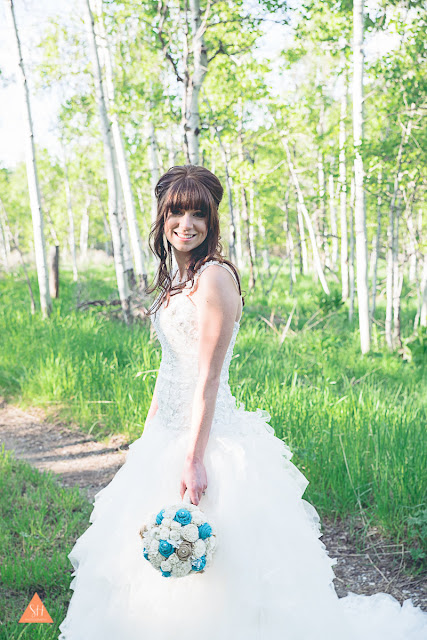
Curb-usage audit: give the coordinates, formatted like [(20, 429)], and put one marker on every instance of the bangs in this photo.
[(188, 194)]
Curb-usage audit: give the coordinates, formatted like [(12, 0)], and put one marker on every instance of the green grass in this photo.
[(40, 523), (356, 424)]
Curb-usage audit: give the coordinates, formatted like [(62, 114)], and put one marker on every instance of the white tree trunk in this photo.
[(413, 245), (397, 281), (303, 244), (343, 198), (124, 234), (154, 169), (84, 233), (359, 204), (33, 184), (423, 303), (252, 220), (376, 248), (232, 227), (389, 281), (200, 67), (289, 244), (392, 269), (239, 247), (120, 152), (322, 225), (109, 166), (351, 270), (4, 253), (334, 228), (303, 209), (171, 151), (71, 232)]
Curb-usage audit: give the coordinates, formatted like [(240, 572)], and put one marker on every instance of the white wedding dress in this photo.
[(271, 576)]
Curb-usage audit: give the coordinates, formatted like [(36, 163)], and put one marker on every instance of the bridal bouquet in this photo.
[(178, 541)]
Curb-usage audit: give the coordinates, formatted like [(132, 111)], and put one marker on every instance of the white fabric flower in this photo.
[(197, 518), (166, 522), (154, 547), (156, 534), (175, 535), (199, 548), (175, 525), (174, 560), (166, 565), (181, 569), (156, 559), (164, 532), (190, 532)]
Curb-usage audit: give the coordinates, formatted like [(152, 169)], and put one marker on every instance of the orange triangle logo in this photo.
[(36, 611)]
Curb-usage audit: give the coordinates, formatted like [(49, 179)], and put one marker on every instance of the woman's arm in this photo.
[(154, 405), (217, 305)]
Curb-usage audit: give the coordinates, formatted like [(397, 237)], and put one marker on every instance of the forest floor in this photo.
[(77, 459)]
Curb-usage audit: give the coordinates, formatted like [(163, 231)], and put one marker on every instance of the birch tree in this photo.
[(33, 183), (393, 287), (376, 247), (359, 205), (303, 208), (71, 232), (343, 198), (334, 228), (113, 211), (120, 152)]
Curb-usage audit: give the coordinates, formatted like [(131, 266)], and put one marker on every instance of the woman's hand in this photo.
[(194, 479)]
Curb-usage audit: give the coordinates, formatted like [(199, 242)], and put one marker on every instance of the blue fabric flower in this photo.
[(199, 564), (145, 554), (205, 530), (165, 548), (166, 574), (183, 516), (159, 517)]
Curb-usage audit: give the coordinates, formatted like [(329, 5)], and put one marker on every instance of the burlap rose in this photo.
[(184, 550)]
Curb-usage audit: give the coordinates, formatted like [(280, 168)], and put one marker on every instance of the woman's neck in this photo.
[(182, 264)]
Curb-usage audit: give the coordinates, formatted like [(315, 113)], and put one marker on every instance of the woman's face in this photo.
[(186, 230)]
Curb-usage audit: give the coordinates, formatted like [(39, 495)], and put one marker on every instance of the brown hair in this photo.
[(184, 188)]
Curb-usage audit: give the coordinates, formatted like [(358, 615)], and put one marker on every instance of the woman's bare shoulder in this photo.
[(217, 279)]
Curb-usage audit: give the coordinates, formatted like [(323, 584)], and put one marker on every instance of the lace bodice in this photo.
[(177, 331)]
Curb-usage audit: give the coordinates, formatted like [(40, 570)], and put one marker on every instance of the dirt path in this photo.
[(77, 459)]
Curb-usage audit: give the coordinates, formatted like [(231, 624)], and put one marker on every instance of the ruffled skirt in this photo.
[(271, 576)]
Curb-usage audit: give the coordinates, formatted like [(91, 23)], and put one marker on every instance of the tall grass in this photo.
[(356, 424), (40, 522)]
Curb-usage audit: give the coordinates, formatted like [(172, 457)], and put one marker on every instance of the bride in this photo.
[(271, 577)]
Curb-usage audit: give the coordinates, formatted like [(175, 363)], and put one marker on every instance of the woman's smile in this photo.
[(184, 236)]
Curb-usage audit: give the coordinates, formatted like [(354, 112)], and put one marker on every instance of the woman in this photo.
[(271, 577)]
